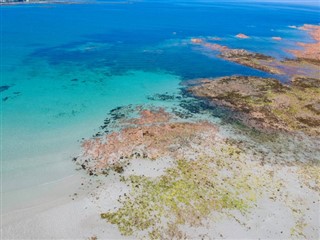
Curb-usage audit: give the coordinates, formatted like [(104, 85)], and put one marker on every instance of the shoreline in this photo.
[(62, 2), (204, 144), (84, 212), (158, 154)]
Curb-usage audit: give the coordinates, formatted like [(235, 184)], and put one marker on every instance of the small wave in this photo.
[(57, 180)]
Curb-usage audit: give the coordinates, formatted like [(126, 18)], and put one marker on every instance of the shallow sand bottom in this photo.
[(81, 218)]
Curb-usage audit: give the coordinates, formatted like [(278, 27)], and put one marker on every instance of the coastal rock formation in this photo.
[(207, 177), (288, 67), (265, 103), (306, 63), (209, 174), (242, 36), (242, 56), (277, 38), (250, 59), (310, 51), (150, 136), (196, 40)]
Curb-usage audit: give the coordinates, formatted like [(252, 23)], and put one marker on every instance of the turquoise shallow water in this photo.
[(43, 136), (64, 67)]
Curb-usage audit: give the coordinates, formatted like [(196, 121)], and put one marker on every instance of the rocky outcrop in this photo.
[(250, 59), (277, 38), (306, 63), (265, 103), (310, 51), (151, 136), (242, 36)]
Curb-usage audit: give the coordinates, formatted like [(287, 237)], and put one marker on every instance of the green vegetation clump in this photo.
[(187, 194)]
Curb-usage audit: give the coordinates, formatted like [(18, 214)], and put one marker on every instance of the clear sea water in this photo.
[(63, 67)]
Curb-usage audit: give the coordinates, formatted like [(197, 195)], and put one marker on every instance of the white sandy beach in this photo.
[(77, 215)]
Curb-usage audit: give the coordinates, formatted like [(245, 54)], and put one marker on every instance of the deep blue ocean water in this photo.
[(63, 67)]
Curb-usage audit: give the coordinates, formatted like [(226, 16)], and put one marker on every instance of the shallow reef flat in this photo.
[(150, 136), (160, 120), (256, 172), (265, 103), (306, 63), (310, 51), (241, 56), (198, 180)]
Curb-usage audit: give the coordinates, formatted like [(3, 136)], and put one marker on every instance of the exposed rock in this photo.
[(150, 136), (196, 40), (277, 38), (310, 51), (250, 59), (306, 82), (265, 103), (243, 57), (306, 63), (242, 36), (211, 175)]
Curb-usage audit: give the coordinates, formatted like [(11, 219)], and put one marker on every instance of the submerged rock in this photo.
[(162, 97), (4, 88)]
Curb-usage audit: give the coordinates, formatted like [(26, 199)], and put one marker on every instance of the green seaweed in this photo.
[(187, 194)]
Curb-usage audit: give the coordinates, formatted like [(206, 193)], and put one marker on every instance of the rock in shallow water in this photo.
[(265, 103)]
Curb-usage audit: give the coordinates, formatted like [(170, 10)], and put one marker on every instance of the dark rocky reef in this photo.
[(250, 59), (265, 103), (4, 88)]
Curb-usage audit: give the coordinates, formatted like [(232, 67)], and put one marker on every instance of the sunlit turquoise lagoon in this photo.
[(64, 67)]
